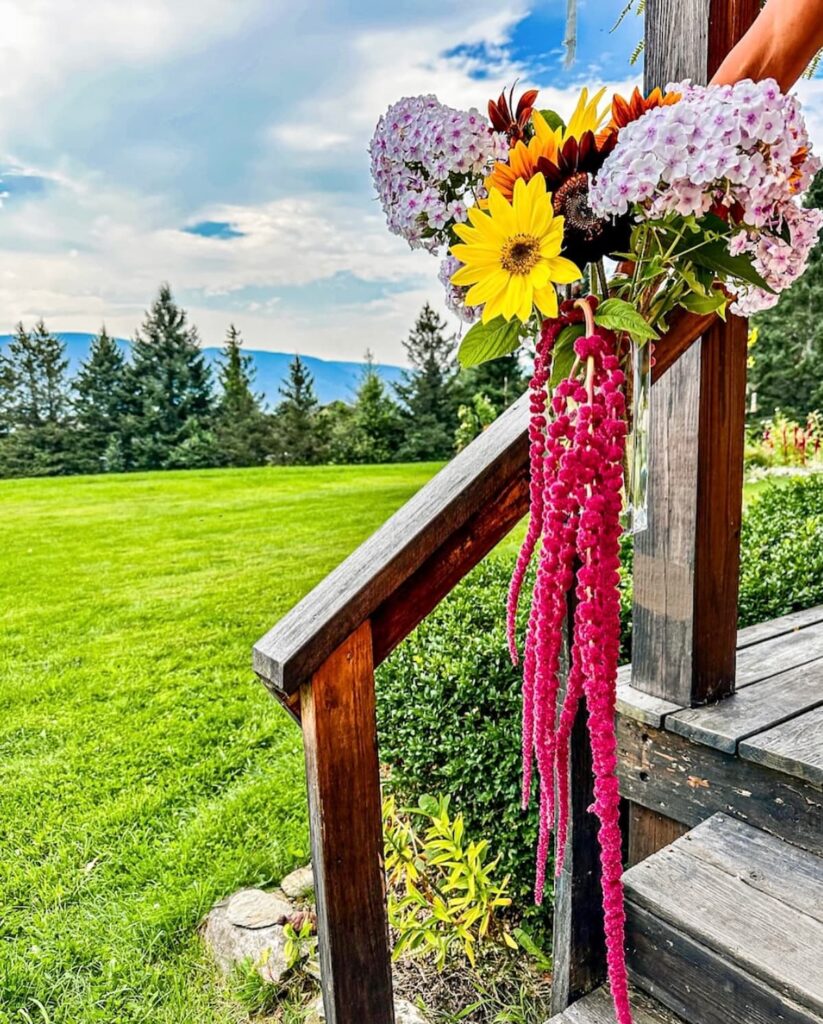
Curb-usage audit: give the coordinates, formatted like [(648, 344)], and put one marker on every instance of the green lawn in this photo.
[(144, 772)]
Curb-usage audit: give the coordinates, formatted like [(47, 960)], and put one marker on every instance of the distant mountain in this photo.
[(333, 379)]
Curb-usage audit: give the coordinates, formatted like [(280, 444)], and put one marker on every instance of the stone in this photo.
[(255, 908), (299, 883), (404, 1012), (231, 944)]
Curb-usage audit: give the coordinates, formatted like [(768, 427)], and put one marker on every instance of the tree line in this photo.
[(159, 406)]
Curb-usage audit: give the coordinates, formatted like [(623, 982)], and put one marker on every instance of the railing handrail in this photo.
[(399, 573)]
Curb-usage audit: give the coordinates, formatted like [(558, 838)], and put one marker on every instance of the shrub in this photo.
[(782, 551), (449, 700), (448, 704)]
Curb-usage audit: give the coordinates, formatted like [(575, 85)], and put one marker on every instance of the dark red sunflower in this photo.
[(587, 238), (512, 119)]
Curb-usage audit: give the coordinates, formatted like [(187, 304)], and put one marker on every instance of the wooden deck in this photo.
[(757, 755)]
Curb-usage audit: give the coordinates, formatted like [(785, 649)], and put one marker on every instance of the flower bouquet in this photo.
[(692, 194)]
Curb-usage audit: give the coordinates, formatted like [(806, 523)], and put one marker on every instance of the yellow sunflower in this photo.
[(546, 143), (511, 254)]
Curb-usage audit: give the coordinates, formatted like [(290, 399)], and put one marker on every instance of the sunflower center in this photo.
[(520, 254), (571, 200)]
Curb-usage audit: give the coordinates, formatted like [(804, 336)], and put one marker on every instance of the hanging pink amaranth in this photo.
[(577, 459)]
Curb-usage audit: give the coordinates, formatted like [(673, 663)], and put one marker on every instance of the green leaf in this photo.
[(714, 302), (563, 355), (428, 804), (488, 341), (619, 315), (552, 119), (716, 256)]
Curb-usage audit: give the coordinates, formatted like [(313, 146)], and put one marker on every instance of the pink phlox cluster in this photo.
[(427, 162), (741, 151), (455, 293), (577, 506)]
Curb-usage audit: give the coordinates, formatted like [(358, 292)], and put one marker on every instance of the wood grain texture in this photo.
[(785, 624), (643, 707), (578, 943), (352, 593), (741, 924), (650, 832), (764, 862), (793, 650), (795, 747), (340, 741), (686, 563), (412, 601), (690, 782), (695, 983), (597, 1008), (752, 709)]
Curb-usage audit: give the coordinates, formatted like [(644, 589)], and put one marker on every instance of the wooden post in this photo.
[(340, 742), (686, 564), (578, 942)]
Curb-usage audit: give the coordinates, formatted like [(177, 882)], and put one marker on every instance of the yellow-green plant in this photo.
[(300, 948), (443, 895)]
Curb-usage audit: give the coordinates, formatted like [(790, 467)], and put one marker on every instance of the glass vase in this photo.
[(635, 516)]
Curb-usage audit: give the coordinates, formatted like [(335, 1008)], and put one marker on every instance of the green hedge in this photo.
[(449, 700)]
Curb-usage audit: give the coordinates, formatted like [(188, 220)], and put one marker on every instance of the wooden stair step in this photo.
[(597, 1008), (725, 926)]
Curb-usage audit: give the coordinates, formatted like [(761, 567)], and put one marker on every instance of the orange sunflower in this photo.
[(625, 111), (546, 143)]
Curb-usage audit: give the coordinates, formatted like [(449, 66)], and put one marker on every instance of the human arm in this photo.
[(783, 39)]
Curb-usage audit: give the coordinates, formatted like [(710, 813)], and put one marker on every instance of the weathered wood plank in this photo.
[(578, 944), (598, 1008), (693, 982), (637, 704), (686, 563), (690, 782), (764, 862), (795, 747), (771, 941), (650, 832), (792, 650), (340, 741), (774, 628), (317, 625), (752, 709), (413, 600)]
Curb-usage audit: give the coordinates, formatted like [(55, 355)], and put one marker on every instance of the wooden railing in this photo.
[(319, 662)]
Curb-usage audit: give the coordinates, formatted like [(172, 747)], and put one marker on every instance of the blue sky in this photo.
[(221, 145)]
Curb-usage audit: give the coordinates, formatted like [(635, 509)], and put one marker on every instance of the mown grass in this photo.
[(144, 772)]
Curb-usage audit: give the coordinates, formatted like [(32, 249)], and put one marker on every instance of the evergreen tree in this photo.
[(376, 428), (427, 391), (172, 387), (240, 423), (787, 360), (297, 435), (34, 405), (501, 380), (102, 408)]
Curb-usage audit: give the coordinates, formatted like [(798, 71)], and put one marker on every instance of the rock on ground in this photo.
[(299, 883), (249, 925)]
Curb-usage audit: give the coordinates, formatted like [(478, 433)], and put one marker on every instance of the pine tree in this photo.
[(240, 423), (102, 408), (172, 387), (34, 408), (787, 366), (501, 380), (376, 428), (296, 428), (427, 391)]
